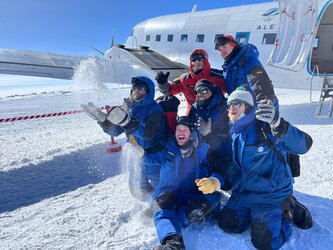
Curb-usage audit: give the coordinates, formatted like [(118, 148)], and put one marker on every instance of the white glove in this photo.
[(94, 112), (119, 117), (204, 127), (266, 112)]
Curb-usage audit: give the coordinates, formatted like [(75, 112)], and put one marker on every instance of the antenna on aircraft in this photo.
[(112, 41), (97, 50), (194, 9)]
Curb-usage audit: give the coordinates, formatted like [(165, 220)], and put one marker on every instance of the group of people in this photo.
[(185, 162)]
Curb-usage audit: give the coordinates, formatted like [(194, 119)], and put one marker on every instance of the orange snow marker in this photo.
[(113, 149)]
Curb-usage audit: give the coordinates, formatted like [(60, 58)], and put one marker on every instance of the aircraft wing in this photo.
[(32, 63), (119, 65)]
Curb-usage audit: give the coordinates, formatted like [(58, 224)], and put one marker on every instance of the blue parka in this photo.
[(178, 174), (260, 173), (245, 70), (151, 131), (219, 139)]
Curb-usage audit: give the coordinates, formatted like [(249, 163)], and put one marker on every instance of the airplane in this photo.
[(294, 37)]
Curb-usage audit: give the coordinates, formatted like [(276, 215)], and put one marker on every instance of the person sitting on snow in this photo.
[(187, 191), (143, 122), (262, 180)]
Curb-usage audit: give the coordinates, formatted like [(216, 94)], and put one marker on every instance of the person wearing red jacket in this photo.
[(185, 83)]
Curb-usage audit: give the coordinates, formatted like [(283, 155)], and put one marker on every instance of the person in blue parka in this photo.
[(209, 113), (187, 192), (262, 180), (242, 68), (143, 122)]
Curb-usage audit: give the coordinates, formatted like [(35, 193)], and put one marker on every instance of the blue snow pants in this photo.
[(270, 223), (171, 218)]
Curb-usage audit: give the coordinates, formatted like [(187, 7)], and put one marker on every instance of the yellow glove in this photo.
[(208, 185)]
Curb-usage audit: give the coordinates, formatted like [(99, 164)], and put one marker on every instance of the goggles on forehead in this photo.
[(203, 90), (222, 40), (197, 57), (235, 104)]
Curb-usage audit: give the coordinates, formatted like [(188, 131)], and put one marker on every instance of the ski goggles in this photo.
[(235, 104), (197, 57), (222, 40), (203, 90), (139, 85)]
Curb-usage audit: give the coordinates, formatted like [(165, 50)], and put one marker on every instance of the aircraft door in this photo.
[(297, 29)]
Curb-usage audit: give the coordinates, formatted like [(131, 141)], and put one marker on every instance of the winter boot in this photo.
[(300, 214), (173, 242)]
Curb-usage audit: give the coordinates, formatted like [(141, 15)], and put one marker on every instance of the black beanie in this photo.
[(186, 121), (206, 83)]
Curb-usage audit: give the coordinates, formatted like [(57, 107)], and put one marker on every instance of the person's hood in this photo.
[(151, 86), (245, 51), (206, 66)]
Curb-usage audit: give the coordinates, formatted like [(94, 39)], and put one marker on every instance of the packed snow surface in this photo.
[(60, 189)]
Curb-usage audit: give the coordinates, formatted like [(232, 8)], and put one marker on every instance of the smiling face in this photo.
[(182, 135), (197, 65), (236, 108), (225, 50)]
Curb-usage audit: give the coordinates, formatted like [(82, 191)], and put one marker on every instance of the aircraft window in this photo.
[(170, 38), (242, 37), (269, 38), (132, 33), (200, 38), (316, 43), (158, 38), (147, 38), (183, 38), (217, 36)]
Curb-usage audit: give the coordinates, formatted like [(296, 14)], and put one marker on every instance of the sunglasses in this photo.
[(235, 104), (201, 91), (197, 57)]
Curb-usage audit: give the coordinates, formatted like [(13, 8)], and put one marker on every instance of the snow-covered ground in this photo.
[(60, 189)]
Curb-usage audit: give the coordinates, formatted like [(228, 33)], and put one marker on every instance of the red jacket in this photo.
[(186, 82)]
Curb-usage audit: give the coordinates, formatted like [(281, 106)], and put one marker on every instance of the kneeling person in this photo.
[(187, 191)]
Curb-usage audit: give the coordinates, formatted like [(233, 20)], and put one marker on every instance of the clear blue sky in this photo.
[(71, 26)]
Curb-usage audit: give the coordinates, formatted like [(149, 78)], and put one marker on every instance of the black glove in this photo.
[(119, 117), (198, 210), (162, 78)]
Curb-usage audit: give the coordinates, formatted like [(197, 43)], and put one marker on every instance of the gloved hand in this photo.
[(94, 112), (126, 104), (162, 78), (119, 117), (198, 210), (208, 185), (266, 112), (204, 127), (106, 125)]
